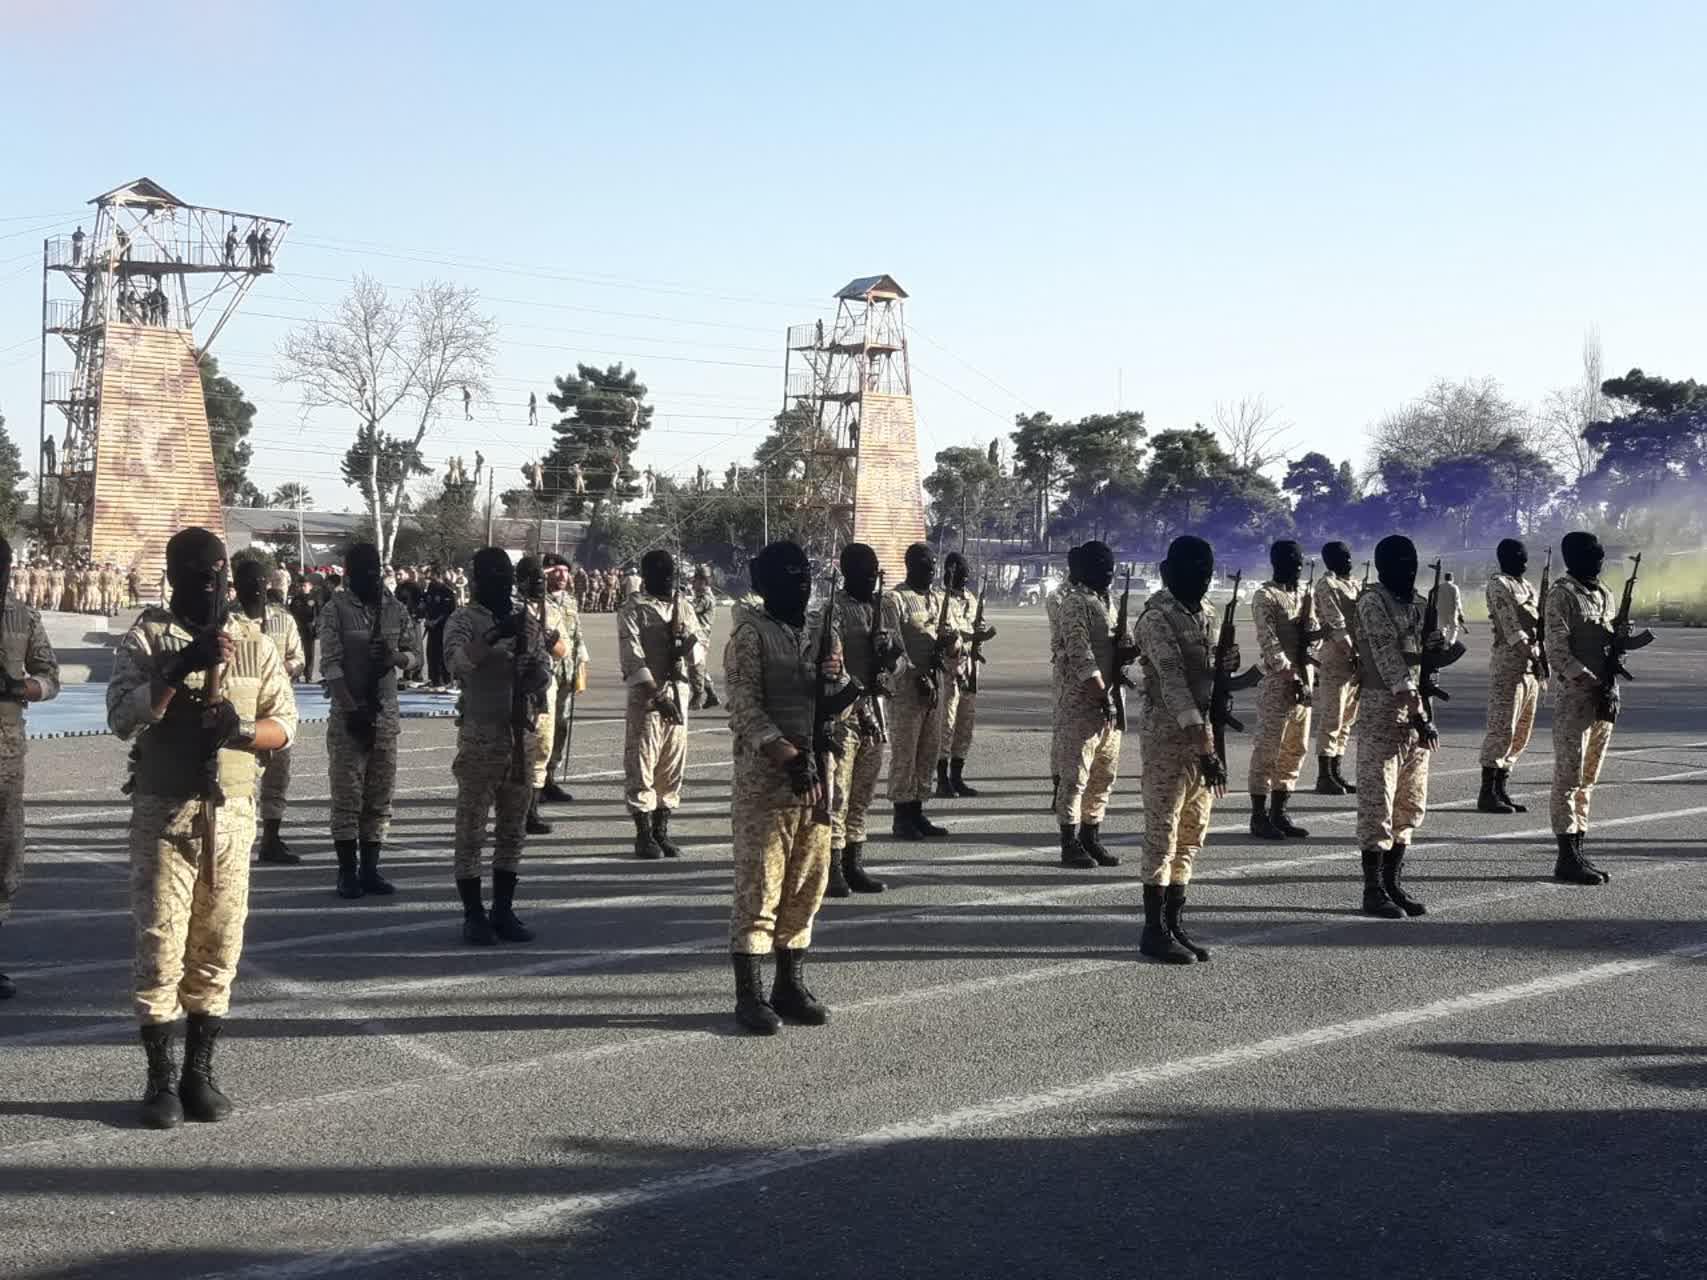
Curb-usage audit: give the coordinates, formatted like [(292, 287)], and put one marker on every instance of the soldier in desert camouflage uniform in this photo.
[(563, 615), (705, 611), (494, 651), (1514, 687), (959, 702), (190, 902), (365, 642), (1283, 698), (1335, 707), (1052, 614), (280, 628), (910, 613), (1087, 738), (1394, 743), (782, 856), (532, 595), (860, 764), (1182, 775), (29, 672)]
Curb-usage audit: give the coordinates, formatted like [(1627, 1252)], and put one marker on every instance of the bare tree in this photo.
[(1250, 436), (1451, 419), (1566, 413), (379, 357)]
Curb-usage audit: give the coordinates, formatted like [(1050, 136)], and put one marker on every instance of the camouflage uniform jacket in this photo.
[(25, 651), (282, 630), (1388, 629), (1086, 623), (488, 681), (1336, 608), (563, 616), (770, 669), (346, 628), (1275, 611), (1569, 604), (962, 605), (1510, 599), (911, 616), (644, 642), (1176, 646)]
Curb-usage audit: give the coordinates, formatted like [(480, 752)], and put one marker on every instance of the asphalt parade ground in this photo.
[(1513, 1085)]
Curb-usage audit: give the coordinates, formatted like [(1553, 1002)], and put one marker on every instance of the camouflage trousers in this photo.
[(543, 739), (1335, 705), (486, 784), (362, 781), (11, 812), (959, 716), (1579, 746), (275, 785), (188, 936), (857, 771), (1086, 755), (1177, 802), (1513, 694), (915, 728), (782, 861), (654, 755), (1282, 736), (1392, 773), (563, 692), (700, 680)]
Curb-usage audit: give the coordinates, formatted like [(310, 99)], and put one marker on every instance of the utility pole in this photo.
[(301, 540), (489, 508), (765, 493)]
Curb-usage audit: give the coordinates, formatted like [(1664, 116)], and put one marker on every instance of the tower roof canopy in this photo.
[(868, 287), (141, 191)]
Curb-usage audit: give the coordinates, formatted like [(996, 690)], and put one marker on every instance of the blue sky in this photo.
[(1327, 204)]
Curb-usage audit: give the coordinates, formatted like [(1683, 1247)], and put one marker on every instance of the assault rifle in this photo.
[(1366, 573), (1223, 685), (883, 659), (821, 755), (1614, 645), (1308, 634), (1118, 680), (1542, 668), (521, 696), (1431, 660), (939, 648), (213, 795), (678, 659), (977, 656)]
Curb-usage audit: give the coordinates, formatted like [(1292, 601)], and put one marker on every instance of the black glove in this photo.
[(984, 635), (665, 705), (224, 727), (201, 654), (1108, 711), (803, 773), (12, 689), (1214, 772), (535, 675)]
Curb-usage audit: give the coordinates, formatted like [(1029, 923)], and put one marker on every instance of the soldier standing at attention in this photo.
[(705, 609), (911, 613), (1335, 707), (1283, 698), (782, 857), (191, 756), (280, 628), (493, 652), (1052, 611), (563, 616), (531, 592), (959, 702), (1514, 688), (29, 672), (365, 641), (861, 762), (1580, 614), (657, 640), (1182, 774), (1394, 742), (1087, 739)]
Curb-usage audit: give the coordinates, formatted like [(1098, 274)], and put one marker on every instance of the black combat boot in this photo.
[(711, 698), (201, 1097), (661, 832), (789, 997), (1500, 779), (553, 793), (944, 788), (1339, 777), (349, 880), (1073, 853), (1278, 819), (1157, 942), (502, 918), (1582, 857), (752, 1010), (1392, 873), (925, 825), (646, 845), (273, 848), (1375, 900), (957, 778), (1327, 781), (1489, 799), (371, 880), (853, 867), (905, 825), (837, 885), (1569, 867), (1261, 827), (477, 930), (1090, 838), (1173, 907), (161, 1107), (536, 824)]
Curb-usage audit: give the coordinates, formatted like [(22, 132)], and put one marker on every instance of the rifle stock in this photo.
[(1308, 634), (1542, 667), (1432, 659), (1117, 678), (977, 655), (933, 673), (1224, 684), (1619, 643), (212, 694), (822, 756)]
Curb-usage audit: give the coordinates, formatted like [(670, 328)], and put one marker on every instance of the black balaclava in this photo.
[(1583, 556), (921, 568), (1075, 566), (954, 571), (251, 584), (859, 571), (1396, 564), (1513, 556), (1287, 560), (783, 578), (5, 568), (530, 579), (1096, 566), (495, 581), (1337, 556), (658, 572), (1188, 569), (363, 574), (195, 570)]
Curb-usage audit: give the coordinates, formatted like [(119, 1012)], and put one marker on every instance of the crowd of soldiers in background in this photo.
[(81, 586)]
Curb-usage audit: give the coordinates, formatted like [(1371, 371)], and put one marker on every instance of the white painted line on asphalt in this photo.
[(556, 1216), (410, 1046)]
